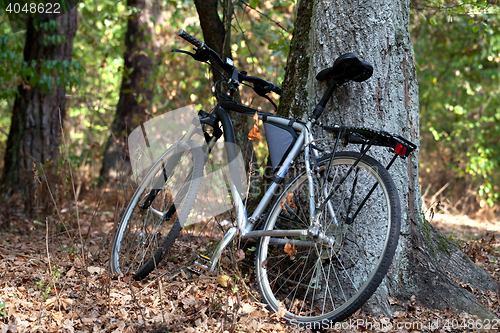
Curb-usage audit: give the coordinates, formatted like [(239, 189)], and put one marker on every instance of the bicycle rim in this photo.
[(315, 281), (142, 233)]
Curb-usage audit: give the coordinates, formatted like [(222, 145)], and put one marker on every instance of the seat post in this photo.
[(321, 106)]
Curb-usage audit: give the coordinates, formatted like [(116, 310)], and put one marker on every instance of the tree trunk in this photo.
[(217, 36), (136, 92), (378, 32), (38, 113)]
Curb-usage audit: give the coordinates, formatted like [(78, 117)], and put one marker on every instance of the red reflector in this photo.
[(400, 150)]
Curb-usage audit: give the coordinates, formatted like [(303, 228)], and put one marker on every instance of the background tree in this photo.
[(217, 35), (136, 92), (39, 108), (459, 101), (378, 31)]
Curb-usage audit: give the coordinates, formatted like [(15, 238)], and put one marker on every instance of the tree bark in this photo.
[(378, 32), (38, 114), (214, 33), (136, 92)]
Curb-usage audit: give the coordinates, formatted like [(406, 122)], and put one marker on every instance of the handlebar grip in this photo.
[(184, 35)]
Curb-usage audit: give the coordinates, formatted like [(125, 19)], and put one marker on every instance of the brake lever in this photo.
[(260, 90), (198, 56), (263, 90)]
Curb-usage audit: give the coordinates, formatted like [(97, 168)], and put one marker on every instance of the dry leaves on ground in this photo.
[(69, 289)]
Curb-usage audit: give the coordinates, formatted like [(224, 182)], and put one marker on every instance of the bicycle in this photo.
[(330, 234)]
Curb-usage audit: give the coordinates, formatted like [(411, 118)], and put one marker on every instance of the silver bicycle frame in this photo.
[(245, 225)]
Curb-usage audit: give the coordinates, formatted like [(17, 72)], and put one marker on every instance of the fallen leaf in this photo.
[(71, 272), (58, 317), (11, 310), (290, 201), (254, 133), (290, 250), (49, 303), (55, 291), (398, 314), (148, 299), (277, 327), (281, 311), (88, 321), (68, 301), (123, 314), (96, 270), (225, 261), (258, 314), (130, 329), (68, 325), (189, 302), (239, 255), (223, 280), (247, 308), (119, 326), (283, 206)]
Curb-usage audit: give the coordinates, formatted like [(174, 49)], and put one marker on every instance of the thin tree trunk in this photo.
[(37, 116), (136, 92), (377, 31), (217, 36)]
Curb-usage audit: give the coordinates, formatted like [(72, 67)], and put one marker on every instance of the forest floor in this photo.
[(49, 282)]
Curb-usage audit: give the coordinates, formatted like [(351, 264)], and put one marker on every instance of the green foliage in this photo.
[(458, 62), (54, 277), (2, 309), (98, 47), (260, 42), (262, 27), (16, 72), (11, 62)]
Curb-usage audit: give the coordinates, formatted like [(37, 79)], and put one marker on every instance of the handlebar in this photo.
[(261, 86), (190, 39)]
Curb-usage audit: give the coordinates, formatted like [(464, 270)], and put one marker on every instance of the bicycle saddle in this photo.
[(347, 67)]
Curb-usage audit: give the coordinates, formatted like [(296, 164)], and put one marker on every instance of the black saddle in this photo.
[(347, 67)]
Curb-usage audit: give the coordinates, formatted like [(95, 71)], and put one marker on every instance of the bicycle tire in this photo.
[(143, 238), (349, 252)]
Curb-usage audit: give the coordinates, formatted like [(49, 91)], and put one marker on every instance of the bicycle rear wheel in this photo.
[(318, 282), (146, 231)]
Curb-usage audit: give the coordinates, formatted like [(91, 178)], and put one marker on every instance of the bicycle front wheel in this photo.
[(157, 210), (318, 281)]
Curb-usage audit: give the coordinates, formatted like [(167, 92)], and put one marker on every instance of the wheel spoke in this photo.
[(316, 286), (144, 235)]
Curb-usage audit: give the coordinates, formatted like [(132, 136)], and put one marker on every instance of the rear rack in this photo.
[(364, 136), (367, 137)]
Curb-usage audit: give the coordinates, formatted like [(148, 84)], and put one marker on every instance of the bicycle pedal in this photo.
[(204, 259), (200, 264)]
